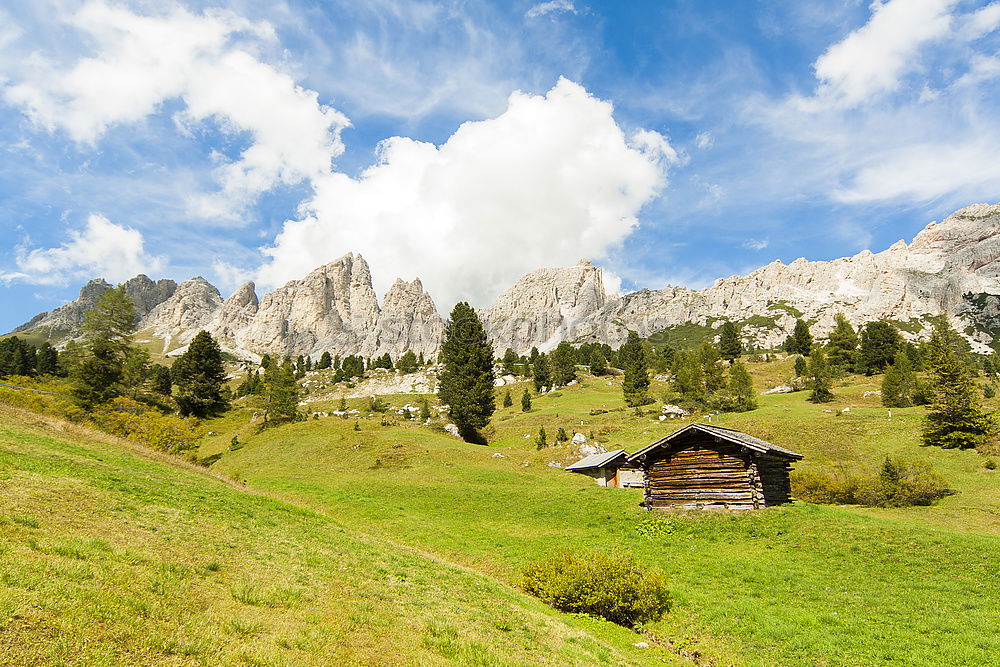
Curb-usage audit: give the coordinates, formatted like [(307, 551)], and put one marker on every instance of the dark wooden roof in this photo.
[(598, 460), (728, 434)]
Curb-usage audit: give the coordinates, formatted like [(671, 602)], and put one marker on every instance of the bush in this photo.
[(898, 483), (127, 418), (615, 587)]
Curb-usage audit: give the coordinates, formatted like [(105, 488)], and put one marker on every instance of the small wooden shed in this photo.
[(610, 469), (702, 466)]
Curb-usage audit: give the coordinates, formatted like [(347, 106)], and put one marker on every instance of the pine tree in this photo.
[(800, 367), (108, 328), (281, 393), (842, 345), (879, 343), (407, 362), (325, 361), (540, 371), (47, 361), (635, 384), (956, 418), (730, 345), (425, 410), (509, 360), (526, 401), (561, 435), (160, 380), (712, 372), (899, 384), (136, 371), (741, 388), (598, 364), (507, 400), (819, 377), (687, 376), (800, 342), (542, 440), (199, 376), (563, 364), (466, 382)]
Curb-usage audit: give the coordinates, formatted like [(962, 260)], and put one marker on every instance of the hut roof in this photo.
[(736, 437), (597, 460)]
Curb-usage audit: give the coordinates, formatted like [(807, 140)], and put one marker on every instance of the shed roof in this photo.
[(736, 437), (597, 460)]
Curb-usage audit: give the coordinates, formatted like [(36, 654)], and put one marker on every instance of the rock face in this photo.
[(545, 307), (951, 267)]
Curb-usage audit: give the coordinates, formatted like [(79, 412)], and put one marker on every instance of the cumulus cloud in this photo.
[(101, 248), (550, 180), (207, 62), (543, 8), (756, 244)]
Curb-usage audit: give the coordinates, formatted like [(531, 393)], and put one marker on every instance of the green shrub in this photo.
[(897, 483), (127, 418), (990, 464), (615, 587), (825, 488)]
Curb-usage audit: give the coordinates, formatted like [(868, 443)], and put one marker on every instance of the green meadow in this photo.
[(379, 540)]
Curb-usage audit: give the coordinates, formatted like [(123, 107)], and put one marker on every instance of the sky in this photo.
[(467, 143)]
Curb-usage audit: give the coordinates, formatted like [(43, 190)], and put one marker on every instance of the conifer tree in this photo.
[(199, 376), (899, 384), (466, 382), (541, 372), (507, 400), (160, 380), (842, 345), (425, 410), (730, 346), (281, 393), (563, 364), (800, 342), (108, 328), (526, 401), (407, 362), (325, 361), (741, 388), (879, 342), (712, 372), (800, 367), (687, 376), (635, 384), (819, 377), (47, 361), (956, 418), (598, 364), (542, 440), (509, 360)]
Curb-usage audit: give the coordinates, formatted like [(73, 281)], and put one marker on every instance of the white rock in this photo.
[(498, 455), (780, 389), (553, 464), (674, 411), (451, 428), (641, 644), (579, 438)]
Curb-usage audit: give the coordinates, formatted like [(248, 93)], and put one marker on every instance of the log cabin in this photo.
[(609, 469), (701, 466)]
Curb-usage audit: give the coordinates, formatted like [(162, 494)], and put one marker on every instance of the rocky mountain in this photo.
[(951, 267)]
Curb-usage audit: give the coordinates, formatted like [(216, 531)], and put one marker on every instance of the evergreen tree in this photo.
[(107, 328), (47, 361), (598, 364), (509, 361), (507, 400), (526, 401), (542, 440), (956, 418), (17, 357), (325, 361), (801, 340), (199, 376), (266, 361), (819, 377), (136, 371), (879, 343), (563, 364), (899, 385), (407, 362), (741, 388), (800, 367), (842, 345), (730, 345), (540, 371), (466, 382), (687, 376), (561, 435), (712, 372), (635, 384), (160, 380), (425, 410), (281, 393)]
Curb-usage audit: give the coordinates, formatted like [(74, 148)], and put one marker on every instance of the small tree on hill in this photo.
[(712, 371), (541, 372), (161, 381), (425, 410), (509, 361), (899, 384), (598, 364), (730, 346), (741, 388), (325, 361), (542, 440), (819, 377), (47, 361), (526, 401), (507, 400), (466, 382), (407, 362), (800, 367), (956, 418), (281, 393), (687, 376), (563, 364), (108, 328), (199, 376), (879, 343), (842, 345), (801, 340), (635, 384)]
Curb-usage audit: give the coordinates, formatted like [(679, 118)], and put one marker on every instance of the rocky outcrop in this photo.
[(188, 310), (545, 307), (236, 313), (408, 321)]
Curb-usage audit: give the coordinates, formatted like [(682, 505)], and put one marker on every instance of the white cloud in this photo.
[(704, 140), (101, 248), (981, 22), (550, 180), (870, 61), (756, 244), (207, 62), (543, 8)]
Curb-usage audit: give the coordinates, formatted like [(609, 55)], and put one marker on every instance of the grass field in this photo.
[(391, 542)]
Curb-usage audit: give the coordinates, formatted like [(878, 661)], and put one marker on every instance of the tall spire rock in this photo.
[(408, 321), (236, 313)]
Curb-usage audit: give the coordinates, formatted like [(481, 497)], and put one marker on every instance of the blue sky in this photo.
[(467, 143)]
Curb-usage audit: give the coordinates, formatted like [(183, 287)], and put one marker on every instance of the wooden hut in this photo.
[(610, 469), (702, 466)]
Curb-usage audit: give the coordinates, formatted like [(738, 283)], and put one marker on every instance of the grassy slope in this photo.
[(794, 585), (111, 557)]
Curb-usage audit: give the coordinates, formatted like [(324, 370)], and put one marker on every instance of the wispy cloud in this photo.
[(552, 6)]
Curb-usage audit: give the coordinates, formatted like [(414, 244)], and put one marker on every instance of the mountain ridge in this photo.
[(951, 267)]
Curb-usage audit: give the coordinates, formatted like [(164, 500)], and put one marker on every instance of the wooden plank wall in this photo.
[(774, 477), (698, 477)]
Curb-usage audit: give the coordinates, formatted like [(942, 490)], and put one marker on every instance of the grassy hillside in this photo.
[(801, 584), (113, 555)]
